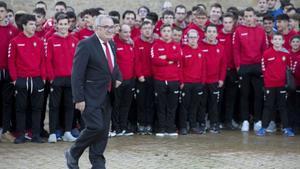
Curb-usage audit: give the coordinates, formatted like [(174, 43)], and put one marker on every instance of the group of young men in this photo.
[(185, 72)]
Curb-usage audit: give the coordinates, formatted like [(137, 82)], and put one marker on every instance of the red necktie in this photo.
[(109, 61), (108, 56)]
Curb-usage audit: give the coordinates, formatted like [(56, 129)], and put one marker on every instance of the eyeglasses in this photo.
[(107, 27)]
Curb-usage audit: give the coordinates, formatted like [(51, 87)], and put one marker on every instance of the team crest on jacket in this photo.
[(73, 45), (199, 55), (283, 58), (218, 50), (10, 32), (34, 44), (174, 47)]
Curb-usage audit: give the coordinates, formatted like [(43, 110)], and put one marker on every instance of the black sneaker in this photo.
[(44, 134), (196, 130), (37, 140), (141, 130), (214, 129), (229, 126), (148, 130), (20, 140), (183, 131)]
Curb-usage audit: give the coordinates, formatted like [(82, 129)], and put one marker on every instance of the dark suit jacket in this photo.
[(91, 75)]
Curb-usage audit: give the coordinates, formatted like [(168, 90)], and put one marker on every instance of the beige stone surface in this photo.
[(122, 5)]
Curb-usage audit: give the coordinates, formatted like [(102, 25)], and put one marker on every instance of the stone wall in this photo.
[(121, 5)]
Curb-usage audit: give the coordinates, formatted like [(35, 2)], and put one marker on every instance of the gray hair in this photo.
[(100, 18)]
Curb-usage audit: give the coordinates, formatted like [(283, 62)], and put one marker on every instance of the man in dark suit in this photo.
[(95, 74)]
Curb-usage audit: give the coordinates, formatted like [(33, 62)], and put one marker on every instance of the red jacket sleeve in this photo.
[(265, 43), (12, 52), (156, 61), (49, 58), (43, 62), (137, 64), (223, 66), (236, 48)]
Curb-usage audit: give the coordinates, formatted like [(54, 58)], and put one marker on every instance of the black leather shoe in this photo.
[(37, 140), (71, 162), (183, 131), (20, 140)]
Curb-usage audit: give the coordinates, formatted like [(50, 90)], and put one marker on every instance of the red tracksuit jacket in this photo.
[(193, 65), (26, 57), (125, 58), (59, 56), (83, 34), (295, 57), (142, 52), (135, 33), (287, 39), (49, 33), (166, 69), (7, 33), (226, 40), (189, 27), (249, 43), (215, 62), (274, 64)]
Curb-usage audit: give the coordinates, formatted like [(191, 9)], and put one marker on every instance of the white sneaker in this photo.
[(172, 134), (52, 138), (245, 126), (68, 137), (160, 134), (272, 127), (257, 126), (112, 134)]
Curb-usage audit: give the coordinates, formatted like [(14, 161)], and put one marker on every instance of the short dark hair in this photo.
[(153, 17), (277, 34), (128, 12), (91, 11), (24, 19), (146, 23), (216, 5), (201, 5), (10, 10), (201, 12), (290, 9), (283, 17), (177, 28), (114, 14), (249, 9), (41, 2), (71, 14), (164, 26), (228, 15), (3, 5), (268, 18), (210, 25), (116, 21), (61, 17), (180, 6), (168, 12), (61, 3), (57, 14), (145, 7), (40, 11), (295, 37)]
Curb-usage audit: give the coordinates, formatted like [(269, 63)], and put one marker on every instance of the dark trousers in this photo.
[(294, 108), (211, 100), (166, 96), (46, 94), (230, 95), (275, 99), (61, 93), (145, 102), (192, 98), (29, 91), (7, 101), (251, 81), (95, 134), (123, 98)]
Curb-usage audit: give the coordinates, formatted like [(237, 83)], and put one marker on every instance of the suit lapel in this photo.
[(100, 52)]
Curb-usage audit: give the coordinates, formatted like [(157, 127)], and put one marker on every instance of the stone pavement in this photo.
[(224, 151)]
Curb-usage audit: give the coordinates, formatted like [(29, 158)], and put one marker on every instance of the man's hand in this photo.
[(14, 82), (118, 83), (80, 106), (164, 57), (181, 86), (221, 83), (142, 79)]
